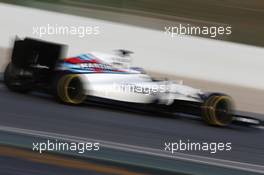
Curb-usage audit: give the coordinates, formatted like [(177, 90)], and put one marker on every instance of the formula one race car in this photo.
[(109, 80)]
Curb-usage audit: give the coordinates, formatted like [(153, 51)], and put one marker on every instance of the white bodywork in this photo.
[(134, 86), (137, 88)]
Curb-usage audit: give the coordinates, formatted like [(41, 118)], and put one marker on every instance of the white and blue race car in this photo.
[(110, 80)]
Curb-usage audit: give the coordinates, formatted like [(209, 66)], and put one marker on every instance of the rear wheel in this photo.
[(217, 110), (69, 89), (16, 79)]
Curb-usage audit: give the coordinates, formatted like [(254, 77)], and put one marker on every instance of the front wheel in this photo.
[(217, 110), (69, 89)]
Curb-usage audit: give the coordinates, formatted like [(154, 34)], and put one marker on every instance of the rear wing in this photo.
[(33, 53)]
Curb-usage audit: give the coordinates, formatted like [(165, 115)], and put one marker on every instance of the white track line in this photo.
[(260, 127)]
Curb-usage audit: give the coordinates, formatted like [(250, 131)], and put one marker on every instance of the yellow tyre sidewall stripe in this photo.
[(62, 89), (209, 109)]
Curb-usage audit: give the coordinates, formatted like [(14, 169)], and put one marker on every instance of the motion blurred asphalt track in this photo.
[(33, 168), (32, 163), (42, 113)]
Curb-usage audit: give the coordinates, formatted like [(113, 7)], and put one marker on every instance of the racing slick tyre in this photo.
[(15, 79), (69, 89), (217, 110)]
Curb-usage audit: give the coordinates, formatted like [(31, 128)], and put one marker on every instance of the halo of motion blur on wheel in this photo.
[(217, 110), (70, 89)]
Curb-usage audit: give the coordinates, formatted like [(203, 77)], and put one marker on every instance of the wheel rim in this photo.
[(74, 89), (222, 111)]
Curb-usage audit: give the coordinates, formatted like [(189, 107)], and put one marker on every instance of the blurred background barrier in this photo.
[(244, 16), (214, 65)]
